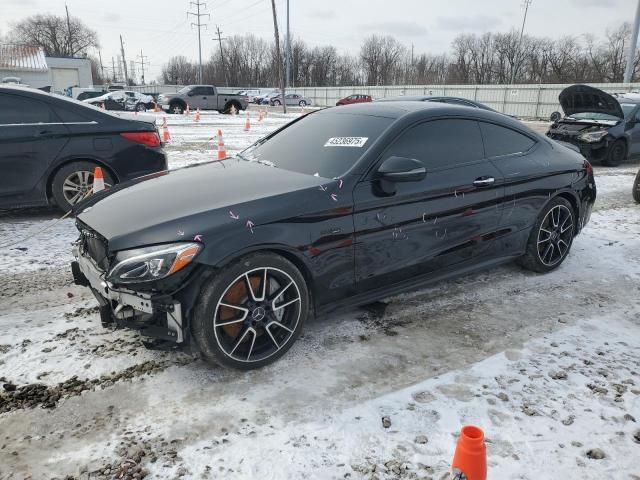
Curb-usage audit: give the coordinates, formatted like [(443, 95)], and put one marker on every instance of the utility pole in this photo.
[(70, 41), (124, 62), (113, 68), (224, 68), (197, 14), (288, 59), (101, 65), (628, 71), (141, 62), (524, 19), (276, 36)]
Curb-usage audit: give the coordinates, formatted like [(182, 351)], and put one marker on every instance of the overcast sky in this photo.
[(161, 27)]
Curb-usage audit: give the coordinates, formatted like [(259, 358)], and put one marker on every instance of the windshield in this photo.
[(627, 108), (593, 116), (323, 144), (184, 90)]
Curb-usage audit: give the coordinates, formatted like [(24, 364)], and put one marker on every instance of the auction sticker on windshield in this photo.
[(346, 142)]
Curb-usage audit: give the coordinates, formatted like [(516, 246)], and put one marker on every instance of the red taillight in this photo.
[(150, 139), (588, 168)]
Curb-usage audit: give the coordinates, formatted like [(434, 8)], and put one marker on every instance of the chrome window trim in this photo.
[(47, 123)]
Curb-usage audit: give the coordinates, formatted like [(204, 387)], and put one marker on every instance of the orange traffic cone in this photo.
[(98, 180), (165, 131), (247, 124), (156, 107), (233, 110), (470, 458), (187, 111), (198, 115), (222, 153), (102, 106)]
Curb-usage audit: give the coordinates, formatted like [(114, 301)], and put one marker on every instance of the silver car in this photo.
[(293, 99)]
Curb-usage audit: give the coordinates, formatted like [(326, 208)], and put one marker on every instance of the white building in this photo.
[(31, 67)]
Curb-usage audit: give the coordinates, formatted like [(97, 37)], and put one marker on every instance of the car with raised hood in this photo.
[(605, 128), (230, 258), (51, 144)]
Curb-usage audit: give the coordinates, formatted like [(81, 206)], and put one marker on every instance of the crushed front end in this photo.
[(142, 289), (593, 141)]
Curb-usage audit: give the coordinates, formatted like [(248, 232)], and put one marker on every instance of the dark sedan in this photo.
[(230, 258), (605, 129), (50, 146)]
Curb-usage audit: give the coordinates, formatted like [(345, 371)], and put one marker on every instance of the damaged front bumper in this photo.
[(154, 315), (592, 151)]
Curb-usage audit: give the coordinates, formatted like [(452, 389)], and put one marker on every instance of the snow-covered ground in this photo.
[(547, 365)]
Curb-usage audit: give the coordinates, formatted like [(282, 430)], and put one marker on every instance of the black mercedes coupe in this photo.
[(338, 208)]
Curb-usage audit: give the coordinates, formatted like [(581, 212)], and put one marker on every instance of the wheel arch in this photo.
[(67, 161), (573, 199), (286, 253)]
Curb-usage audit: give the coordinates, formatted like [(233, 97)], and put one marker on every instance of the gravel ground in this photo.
[(546, 365)]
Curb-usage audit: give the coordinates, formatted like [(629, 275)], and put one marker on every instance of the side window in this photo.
[(18, 109), (440, 143), (208, 91), (499, 141)]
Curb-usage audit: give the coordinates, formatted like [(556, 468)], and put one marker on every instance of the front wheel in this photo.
[(302, 103), (74, 182), (551, 237), (276, 103), (141, 107), (636, 188), (250, 314), (616, 155)]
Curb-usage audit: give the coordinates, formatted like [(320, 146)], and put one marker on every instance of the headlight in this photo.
[(152, 263), (596, 136)]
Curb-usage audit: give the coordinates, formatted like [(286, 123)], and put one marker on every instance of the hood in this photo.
[(582, 98), (184, 203)]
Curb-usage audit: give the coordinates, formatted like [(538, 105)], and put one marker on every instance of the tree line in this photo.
[(488, 58), (250, 61)]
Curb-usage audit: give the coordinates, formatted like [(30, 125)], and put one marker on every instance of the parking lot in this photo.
[(547, 365)]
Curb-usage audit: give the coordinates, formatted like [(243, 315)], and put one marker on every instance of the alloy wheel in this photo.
[(257, 314), (78, 186), (555, 235)]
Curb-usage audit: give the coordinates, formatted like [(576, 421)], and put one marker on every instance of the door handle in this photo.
[(483, 181)]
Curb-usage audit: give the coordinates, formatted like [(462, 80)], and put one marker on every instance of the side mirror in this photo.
[(399, 169)]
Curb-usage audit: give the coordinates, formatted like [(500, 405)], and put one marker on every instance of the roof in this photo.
[(22, 57), (387, 109)]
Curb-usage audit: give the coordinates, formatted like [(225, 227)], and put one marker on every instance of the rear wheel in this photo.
[(250, 314), (636, 188), (74, 182), (141, 107), (550, 238), (176, 108), (302, 103), (276, 103), (617, 154)]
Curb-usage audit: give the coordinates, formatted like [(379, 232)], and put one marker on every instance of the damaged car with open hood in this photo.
[(605, 128)]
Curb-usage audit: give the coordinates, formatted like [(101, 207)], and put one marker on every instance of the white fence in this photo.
[(524, 101)]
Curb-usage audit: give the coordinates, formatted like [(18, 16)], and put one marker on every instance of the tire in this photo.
[(555, 116), (636, 188), (251, 333), (276, 103), (617, 154), (551, 237), (227, 107), (176, 108), (141, 107), (73, 181), (302, 103)]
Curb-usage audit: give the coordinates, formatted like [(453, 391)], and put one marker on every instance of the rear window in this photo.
[(323, 144), (499, 141)]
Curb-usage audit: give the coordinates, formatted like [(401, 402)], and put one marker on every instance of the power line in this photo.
[(197, 14)]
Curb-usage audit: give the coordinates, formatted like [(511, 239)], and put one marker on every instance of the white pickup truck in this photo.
[(204, 97)]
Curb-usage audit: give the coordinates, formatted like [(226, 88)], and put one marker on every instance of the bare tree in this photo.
[(52, 33)]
